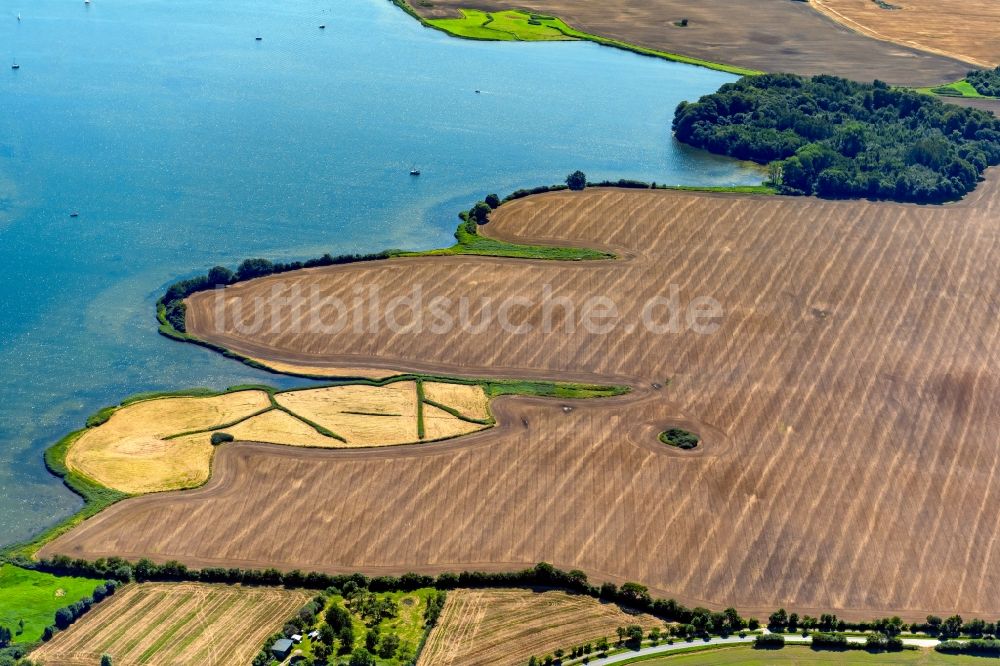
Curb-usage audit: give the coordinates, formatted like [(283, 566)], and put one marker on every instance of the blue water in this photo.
[(185, 143)]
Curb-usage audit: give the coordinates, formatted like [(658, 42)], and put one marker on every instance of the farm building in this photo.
[(281, 649)]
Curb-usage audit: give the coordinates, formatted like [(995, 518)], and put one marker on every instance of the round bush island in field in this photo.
[(221, 437), (680, 438)]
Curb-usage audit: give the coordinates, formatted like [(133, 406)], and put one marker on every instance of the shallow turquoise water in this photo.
[(184, 143)]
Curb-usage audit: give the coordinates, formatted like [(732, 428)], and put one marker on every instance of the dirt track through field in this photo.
[(965, 29), (847, 404), (768, 35)]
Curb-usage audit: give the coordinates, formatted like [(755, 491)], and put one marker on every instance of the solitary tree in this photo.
[(576, 180), (5, 637), (106, 660), (387, 648), (492, 200)]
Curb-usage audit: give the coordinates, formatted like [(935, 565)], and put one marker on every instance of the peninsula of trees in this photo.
[(835, 138)]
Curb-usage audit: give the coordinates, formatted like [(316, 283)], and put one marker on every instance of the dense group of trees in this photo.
[(986, 82), (978, 647), (334, 622), (836, 138)]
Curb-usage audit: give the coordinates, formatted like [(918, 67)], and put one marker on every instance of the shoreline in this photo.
[(97, 497), (572, 33)]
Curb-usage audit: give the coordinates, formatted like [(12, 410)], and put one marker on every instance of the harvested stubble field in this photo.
[(165, 443), (165, 624), (968, 30), (847, 406), (506, 627), (767, 35)]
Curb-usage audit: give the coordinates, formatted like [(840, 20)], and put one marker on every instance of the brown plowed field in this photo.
[(507, 627), (768, 35), (848, 405), (167, 624), (965, 29)]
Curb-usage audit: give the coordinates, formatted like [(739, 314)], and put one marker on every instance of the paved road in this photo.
[(732, 640)]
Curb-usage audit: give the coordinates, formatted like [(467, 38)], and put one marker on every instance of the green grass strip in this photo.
[(960, 88), (420, 408), (223, 426), (523, 26), (368, 413), (473, 244), (326, 432)]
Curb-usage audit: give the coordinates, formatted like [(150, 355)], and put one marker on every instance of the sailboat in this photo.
[(414, 171), (15, 65)]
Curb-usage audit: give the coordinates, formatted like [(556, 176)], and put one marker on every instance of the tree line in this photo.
[(836, 138), (697, 621), (172, 301)]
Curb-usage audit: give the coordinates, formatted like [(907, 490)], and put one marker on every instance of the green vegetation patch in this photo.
[(514, 25), (957, 89), (680, 438), (508, 25), (366, 627), (474, 244), (30, 599), (985, 82), (836, 138)]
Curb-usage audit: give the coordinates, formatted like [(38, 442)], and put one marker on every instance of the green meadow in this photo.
[(34, 598)]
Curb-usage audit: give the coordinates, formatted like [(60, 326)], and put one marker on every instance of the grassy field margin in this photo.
[(467, 30)]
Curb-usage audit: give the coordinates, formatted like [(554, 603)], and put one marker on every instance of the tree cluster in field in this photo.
[(680, 438), (334, 622), (985, 81), (479, 214), (836, 138)]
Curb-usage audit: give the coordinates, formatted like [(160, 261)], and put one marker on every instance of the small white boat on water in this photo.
[(15, 65)]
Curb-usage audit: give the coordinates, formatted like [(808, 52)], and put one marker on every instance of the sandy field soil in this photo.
[(768, 35), (129, 452), (323, 371), (165, 624), (470, 401), (967, 30), (506, 627), (846, 403)]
